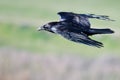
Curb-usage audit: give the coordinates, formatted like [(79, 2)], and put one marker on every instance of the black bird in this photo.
[(82, 22), (74, 30)]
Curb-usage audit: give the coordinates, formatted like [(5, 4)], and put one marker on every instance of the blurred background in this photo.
[(26, 54)]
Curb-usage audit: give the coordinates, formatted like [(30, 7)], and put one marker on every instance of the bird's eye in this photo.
[(46, 27)]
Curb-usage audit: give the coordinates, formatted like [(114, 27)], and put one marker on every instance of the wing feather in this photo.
[(81, 21), (81, 38), (102, 17)]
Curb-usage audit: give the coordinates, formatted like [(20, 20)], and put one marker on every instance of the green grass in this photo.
[(24, 35)]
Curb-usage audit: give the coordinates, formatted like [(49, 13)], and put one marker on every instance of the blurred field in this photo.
[(19, 20), (22, 65)]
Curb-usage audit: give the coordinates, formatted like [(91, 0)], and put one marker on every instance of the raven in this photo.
[(77, 30)]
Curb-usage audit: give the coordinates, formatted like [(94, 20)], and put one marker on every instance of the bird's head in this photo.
[(48, 27), (66, 15)]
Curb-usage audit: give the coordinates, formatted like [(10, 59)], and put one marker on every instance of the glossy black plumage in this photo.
[(81, 19), (82, 22), (76, 27)]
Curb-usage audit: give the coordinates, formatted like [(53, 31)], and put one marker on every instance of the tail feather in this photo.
[(100, 31)]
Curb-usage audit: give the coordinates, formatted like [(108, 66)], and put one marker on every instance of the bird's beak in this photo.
[(40, 28)]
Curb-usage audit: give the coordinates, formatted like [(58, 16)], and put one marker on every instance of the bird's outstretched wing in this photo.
[(80, 38), (77, 19), (102, 17)]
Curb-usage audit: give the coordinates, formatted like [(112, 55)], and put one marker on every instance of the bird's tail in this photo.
[(100, 31)]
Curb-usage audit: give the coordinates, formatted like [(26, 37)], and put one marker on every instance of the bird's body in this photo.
[(76, 27)]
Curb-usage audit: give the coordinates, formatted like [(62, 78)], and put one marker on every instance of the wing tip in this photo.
[(96, 44)]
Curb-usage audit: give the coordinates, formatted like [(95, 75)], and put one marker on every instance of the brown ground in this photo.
[(22, 65)]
